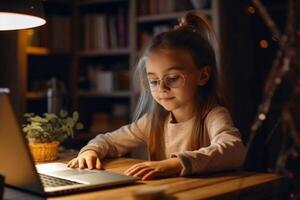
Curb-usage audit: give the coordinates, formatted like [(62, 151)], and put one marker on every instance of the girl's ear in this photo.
[(204, 75)]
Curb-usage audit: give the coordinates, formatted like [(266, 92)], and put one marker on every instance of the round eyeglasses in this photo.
[(170, 81)]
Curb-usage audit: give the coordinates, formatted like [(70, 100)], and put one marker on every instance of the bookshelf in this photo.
[(98, 45), (47, 54), (101, 64), (96, 55)]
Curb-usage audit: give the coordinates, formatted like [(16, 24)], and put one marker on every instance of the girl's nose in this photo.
[(162, 86)]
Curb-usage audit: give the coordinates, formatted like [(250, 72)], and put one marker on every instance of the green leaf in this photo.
[(70, 122), (50, 116), (79, 126), (51, 127), (38, 119), (63, 113), (28, 115), (75, 116)]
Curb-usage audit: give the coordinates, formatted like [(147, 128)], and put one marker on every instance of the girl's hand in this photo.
[(88, 159), (150, 170)]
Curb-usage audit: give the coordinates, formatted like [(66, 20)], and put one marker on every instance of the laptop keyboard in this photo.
[(50, 181)]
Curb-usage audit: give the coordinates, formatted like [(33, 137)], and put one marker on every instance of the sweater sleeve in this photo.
[(226, 149), (120, 141)]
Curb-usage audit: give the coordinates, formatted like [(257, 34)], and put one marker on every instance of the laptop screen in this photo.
[(16, 162), (19, 168)]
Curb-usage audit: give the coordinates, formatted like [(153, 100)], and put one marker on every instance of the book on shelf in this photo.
[(122, 27), (55, 34), (38, 37), (60, 32), (104, 81), (101, 80), (105, 31), (122, 80), (152, 7), (113, 38)]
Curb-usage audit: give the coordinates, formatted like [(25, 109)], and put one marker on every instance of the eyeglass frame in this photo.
[(182, 74)]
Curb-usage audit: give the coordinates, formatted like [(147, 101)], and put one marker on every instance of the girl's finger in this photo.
[(81, 163), (143, 172), (89, 162), (133, 167), (70, 162), (73, 163), (98, 163), (149, 176), (135, 170)]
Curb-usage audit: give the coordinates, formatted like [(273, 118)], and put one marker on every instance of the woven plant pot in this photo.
[(42, 152)]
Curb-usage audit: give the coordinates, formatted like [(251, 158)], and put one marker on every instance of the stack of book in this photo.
[(60, 33), (55, 34), (152, 7), (104, 31)]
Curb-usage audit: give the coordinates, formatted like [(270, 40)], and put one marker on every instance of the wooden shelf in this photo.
[(37, 51), (94, 93), (43, 51), (104, 52), (35, 95), (168, 16)]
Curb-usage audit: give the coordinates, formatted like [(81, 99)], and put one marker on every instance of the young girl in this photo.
[(179, 116)]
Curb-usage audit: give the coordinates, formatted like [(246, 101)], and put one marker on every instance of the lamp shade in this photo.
[(21, 14)]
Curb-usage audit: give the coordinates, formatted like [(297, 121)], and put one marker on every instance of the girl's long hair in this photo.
[(194, 36)]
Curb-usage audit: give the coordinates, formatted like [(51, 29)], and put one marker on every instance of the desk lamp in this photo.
[(17, 15), (20, 14)]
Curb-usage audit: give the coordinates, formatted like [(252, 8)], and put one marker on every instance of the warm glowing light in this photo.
[(250, 9), (264, 44), (15, 21), (261, 116), (277, 80), (30, 32)]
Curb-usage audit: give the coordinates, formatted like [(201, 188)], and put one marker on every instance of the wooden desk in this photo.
[(230, 185)]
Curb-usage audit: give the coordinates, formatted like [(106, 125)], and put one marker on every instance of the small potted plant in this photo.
[(46, 132)]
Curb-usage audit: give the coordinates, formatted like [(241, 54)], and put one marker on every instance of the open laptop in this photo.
[(50, 179)]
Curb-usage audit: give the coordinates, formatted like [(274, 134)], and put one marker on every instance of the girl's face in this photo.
[(173, 79)]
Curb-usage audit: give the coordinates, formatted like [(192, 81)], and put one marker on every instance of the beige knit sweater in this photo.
[(220, 147)]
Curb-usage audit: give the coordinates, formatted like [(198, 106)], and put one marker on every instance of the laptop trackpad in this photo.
[(70, 172), (100, 177), (85, 176)]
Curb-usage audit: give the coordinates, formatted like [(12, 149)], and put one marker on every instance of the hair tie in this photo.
[(183, 24)]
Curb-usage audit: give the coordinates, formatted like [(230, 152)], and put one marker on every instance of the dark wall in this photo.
[(238, 63), (245, 67)]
